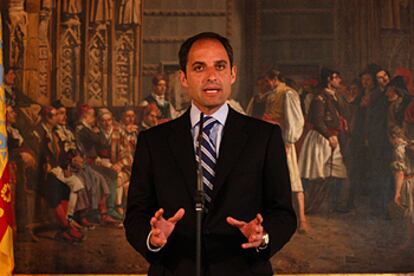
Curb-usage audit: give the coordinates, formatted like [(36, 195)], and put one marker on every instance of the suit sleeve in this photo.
[(318, 113), (279, 219), (142, 202)]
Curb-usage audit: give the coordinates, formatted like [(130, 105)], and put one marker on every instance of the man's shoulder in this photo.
[(80, 127)]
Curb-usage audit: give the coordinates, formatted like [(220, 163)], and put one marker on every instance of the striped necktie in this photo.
[(208, 159)]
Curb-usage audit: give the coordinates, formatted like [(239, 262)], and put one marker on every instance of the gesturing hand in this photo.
[(333, 141), (252, 230), (397, 199), (162, 228)]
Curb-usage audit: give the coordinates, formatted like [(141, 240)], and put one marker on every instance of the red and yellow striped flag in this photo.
[(6, 211)]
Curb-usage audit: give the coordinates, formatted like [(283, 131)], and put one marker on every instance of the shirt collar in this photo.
[(220, 115), (86, 124), (158, 97)]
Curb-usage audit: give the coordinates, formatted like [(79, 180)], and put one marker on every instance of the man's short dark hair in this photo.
[(385, 71), (274, 74), (186, 46), (157, 78), (327, 75), (57, 104)]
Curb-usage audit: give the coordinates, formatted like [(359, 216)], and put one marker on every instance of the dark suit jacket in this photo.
[(251, 177)]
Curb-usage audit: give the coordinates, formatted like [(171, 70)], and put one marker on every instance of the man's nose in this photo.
[(211, 74)]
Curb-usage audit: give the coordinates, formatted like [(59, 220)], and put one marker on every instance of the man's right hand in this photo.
[(397, 199), (333, 142), (162, 228)]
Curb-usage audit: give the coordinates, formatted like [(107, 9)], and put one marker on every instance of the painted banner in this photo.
[(6, 210)]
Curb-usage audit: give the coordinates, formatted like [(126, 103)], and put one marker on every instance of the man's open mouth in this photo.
[(212, 90)]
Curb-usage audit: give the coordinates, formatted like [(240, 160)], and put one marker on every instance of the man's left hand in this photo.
[(252, 230)]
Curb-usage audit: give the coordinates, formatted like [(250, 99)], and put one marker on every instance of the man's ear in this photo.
[(183, 79), (233, 74)]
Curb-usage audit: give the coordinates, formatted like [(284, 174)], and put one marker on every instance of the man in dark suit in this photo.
[(246, 180)]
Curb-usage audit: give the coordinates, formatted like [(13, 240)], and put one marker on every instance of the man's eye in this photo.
[(198, 68), (220, 67)]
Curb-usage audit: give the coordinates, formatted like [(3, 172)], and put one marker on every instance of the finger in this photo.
[(251, 244), (255, 238), (235, 222), (178, 216), (157, 216), (156, 232), (159, 213), (153, 221), (157, 241), (259, 218), (157, 238), (258, 229)]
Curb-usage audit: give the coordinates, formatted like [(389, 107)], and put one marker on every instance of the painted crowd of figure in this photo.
[(354, 143), (344, 144), (74, 173)]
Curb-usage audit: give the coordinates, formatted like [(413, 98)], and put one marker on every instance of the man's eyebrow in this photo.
[(221, 61), (198, 63)]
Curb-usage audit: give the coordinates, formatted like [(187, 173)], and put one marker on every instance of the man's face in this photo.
[(89, 117), (367, 81), (106, 121), (335, 80), (128, 117), (160, 88), (11, 115), (51, 119), (383, 78), (271, 83), (151, 119), (9, 77), (77, 161), (61, 116), (209, 77), (354, 89)]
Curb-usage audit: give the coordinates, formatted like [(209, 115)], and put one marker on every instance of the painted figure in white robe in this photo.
[(320, 157), (283, 108)]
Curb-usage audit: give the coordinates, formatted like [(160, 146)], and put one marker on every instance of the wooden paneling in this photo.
[(76, 51)]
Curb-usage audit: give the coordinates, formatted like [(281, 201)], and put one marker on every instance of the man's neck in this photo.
[(86, 124), (145, 125), (159, 96), (369, 89), (331, 87), (108, 130), (48, 125), (208, 111), (61, 126)]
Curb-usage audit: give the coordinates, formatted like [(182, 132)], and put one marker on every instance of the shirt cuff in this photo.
[(150, 248)]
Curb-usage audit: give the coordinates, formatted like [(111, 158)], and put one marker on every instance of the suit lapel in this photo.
[(232, 143), (182, 145)]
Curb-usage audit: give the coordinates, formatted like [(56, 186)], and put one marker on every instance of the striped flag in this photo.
[(6, 211)]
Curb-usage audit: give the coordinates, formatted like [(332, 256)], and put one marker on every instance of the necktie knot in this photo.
[(208, 124)]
